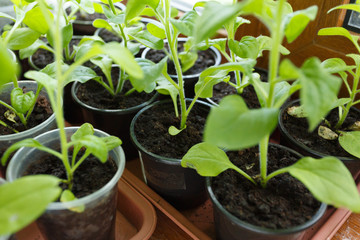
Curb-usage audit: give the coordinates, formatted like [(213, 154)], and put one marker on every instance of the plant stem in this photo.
[(263, 148), (352, 97), (275, 173), (172, 41), (7, 126), (33, 105)]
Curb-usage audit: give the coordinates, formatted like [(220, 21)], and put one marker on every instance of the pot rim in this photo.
[(317, 216), (124, 111), (30, 131), (170, 161), (298, 144), (216, 54), (120, 160)]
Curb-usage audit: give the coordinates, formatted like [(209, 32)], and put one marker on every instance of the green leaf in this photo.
[(266, 43), (355, 57), (215, 74), (22, 38), (134, 9), (148, 40), (173, 131), (101, 23), (67, 33), (214, 16), (84, 130), (124, 58), (336, 65), (22, 102), (111, 142), (8, 67), (16, 213), (166, 88), (152, 72), (187, 60), (207, 159), (350, 141), (94, 145), (68, 196), (105, 64), (339, 31), (296, 22), (4, 15), (81, 74), (218, 43), (156, 31), (248, 47), (340, 102), (288, 71), (328, 180), (35, 20), (185, 24), (233, 126), (319, 90), (44, 79), (353, 7)]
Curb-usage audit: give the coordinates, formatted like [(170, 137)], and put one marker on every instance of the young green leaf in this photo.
[(185, 24), (111, 142), (21, 101), (328, 180), (353, 7), (173, 131), (339, 31), (68, 196), (288, 71), (35, 20), (8, 67), (30, 50), (44, 79), (84, 130), (207, 159), (296, 22), (94, 145), (214, 16), (147, 39), (39, 190), (319, 90), (101, 23), (350, 141), (156, 30), (336, 65), (247, 47), (151, 72), (187, 60), (124, 58), (166, 88), (233, 126), (22, 38)]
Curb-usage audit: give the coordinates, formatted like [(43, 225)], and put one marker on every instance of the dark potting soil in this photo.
[(88, 17), (88, 178), (41, 112), (151, 130), (95, 95), (284, 203), (41, 58), (223, 89), (298, 128), (108, 36), (205, 59)]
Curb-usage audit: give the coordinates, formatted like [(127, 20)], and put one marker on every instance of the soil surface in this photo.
[(41, 112), (41, 58), (284, 203), (205, 59), (298, 128), (223, 89), (95, 95), (88, 178), (151, 130)]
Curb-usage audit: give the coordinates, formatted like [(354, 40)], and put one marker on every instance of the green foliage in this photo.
[(350, 142), (24, 200), (233, 126), (22, 102)]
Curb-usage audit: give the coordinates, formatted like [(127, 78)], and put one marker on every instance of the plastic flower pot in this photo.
[(97, 221), (113, 121), (287, 139), (228, 226), (189, 79), (182, 187), (9, 139)]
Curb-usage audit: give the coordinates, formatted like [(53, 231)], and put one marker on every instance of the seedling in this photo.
[(54, 77), (232, 126)]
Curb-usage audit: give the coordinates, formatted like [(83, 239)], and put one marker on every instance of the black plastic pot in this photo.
[(113, 121), (352, 163), (191, 79), (182, 187), (229, 227)]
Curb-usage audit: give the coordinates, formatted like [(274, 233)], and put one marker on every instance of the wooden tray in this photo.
[(135, 217)]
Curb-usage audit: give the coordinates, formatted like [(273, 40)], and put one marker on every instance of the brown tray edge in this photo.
[(174, 215)]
